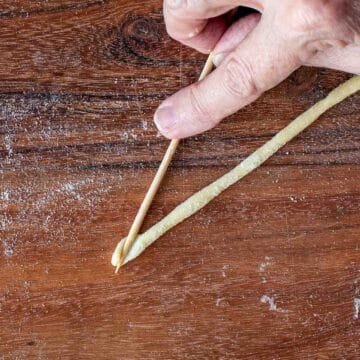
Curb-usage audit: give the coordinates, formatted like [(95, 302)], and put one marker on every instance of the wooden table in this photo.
[(269, 270)]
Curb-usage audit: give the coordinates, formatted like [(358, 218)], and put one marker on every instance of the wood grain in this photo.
[(270, 270)]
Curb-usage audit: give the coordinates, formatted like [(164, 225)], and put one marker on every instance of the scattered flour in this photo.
[(41, 211), (41, 208)]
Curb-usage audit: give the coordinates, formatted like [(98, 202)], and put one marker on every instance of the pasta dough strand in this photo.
[(204, 196)]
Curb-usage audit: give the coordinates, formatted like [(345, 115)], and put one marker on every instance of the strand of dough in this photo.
[(204, 196)]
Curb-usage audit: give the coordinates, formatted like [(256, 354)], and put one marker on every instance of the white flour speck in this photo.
[(264, 264), (69, 187), (8, 145), (125, 136), (133, 135), (5, 221), (224, 269), (356, 308), (144, 125), (9, 246), (265, 299), (8, 251), (296, 199), (5, 196)]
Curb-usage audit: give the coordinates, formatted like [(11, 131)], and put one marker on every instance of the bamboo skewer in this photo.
[(154, 187)]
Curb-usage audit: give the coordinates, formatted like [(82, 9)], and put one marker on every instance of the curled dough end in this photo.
[(115, 255)]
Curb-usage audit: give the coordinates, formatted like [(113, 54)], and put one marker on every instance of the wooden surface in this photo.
[(270, 270)]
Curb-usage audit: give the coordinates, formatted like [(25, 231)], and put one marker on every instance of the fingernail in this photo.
[(165, 118), (219, 58)]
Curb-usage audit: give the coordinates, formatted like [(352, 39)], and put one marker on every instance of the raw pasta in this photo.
[(204, 196)]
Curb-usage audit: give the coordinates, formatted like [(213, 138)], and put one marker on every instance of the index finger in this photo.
[(199, 24)]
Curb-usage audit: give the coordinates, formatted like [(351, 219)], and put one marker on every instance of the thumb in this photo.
[(260, 62)]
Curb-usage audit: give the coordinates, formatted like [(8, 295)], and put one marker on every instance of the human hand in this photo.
[(255, 53)]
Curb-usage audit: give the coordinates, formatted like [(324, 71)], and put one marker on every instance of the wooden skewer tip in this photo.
[(117, 268), (135, 227)]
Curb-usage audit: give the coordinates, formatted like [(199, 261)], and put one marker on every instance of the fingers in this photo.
[(254, 55), (343, 59), (202, 35), (234, 35), (259, 63), (199, 24)]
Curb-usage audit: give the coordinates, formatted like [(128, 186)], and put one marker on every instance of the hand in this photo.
[(255, 53)]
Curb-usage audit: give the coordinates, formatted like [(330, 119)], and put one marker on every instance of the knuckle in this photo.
[(239, 79), (201, 108), (318, 15)]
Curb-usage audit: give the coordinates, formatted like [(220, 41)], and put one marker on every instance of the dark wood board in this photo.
[(269, 270)]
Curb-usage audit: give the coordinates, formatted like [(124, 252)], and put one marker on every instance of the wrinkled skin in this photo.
[(255, 53)]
